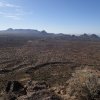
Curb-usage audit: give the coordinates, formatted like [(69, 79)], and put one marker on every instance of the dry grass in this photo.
[(84, 85), (43, 51)]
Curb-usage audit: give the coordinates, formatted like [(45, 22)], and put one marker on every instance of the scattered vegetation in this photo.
[(84, 85), (79, 80)]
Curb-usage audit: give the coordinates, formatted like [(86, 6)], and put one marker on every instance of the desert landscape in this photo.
[(49, 67), (49, 49)]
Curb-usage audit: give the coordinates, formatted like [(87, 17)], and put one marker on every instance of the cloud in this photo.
[(4, 4), (12, 13), (13, 17), (17, 13)]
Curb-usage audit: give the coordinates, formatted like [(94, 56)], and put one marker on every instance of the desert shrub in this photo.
[(84, 85)]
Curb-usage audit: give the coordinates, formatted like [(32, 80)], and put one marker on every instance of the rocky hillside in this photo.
[(53, 67), (83, 85)]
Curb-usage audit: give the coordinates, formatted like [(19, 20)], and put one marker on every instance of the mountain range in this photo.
[(40, 34)]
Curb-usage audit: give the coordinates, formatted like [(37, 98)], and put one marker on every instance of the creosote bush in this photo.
[(84, 85)]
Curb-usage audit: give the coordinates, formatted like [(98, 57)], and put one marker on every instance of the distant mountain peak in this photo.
[(44, 32), (9, 29)]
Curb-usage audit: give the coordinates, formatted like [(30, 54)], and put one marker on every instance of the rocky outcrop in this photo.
[(36, 86), (83, 85), (31, 91), (13, 90)]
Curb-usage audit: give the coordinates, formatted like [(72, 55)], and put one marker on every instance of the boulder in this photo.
[(13, 90)]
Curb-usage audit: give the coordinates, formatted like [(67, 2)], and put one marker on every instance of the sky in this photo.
[(57, 16)]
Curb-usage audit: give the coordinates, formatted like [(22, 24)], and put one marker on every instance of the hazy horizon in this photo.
[(54, 16)]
